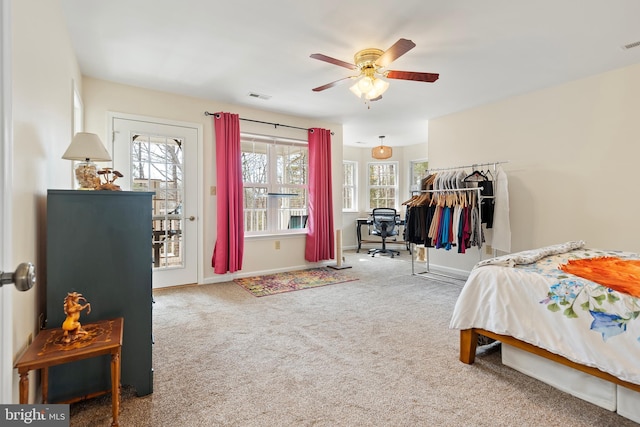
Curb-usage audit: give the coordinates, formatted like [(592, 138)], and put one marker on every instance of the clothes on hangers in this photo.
[(447, 217), (483, 179)]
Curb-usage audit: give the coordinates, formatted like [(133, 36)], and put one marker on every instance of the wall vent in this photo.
[(259, 96), (631, 45)]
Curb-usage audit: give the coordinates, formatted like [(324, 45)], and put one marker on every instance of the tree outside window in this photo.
[(383, 185)]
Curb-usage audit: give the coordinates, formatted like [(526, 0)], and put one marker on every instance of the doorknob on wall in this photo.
[(24, 277)]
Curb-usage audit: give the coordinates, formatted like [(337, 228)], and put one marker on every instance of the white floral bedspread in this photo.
[(540, 304)]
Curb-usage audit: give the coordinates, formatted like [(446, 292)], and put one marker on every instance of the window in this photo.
[(350, 186), (417, 171), (274, 173), (383, 185)]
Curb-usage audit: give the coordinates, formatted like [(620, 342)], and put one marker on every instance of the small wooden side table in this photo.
[(49, 349)]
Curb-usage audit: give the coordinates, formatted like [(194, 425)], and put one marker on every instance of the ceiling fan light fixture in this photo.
[(381, 152), (369, 87), (370, 62), (380, 87), (356, 90)]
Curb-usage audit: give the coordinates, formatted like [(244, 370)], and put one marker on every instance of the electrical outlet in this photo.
[(277, 244), (29, 339), (489, 250), (212, 190)]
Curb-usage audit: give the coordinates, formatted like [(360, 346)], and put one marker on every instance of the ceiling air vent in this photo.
[(631, 45), (259, 96)]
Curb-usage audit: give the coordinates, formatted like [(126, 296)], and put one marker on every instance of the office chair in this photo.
[(298, 221), (384, 221)]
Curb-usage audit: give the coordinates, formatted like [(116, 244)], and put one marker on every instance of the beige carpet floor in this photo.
[(372, 352)]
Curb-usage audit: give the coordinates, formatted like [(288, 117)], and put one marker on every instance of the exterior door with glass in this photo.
[(163, 158)]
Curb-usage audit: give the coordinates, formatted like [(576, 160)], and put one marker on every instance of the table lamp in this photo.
[(87, 148)]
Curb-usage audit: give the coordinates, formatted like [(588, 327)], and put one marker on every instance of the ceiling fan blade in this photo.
[(333, 61), (412, 75), (400, 47), (332, 84)]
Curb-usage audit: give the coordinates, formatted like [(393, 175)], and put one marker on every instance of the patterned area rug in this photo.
[(293, 281)]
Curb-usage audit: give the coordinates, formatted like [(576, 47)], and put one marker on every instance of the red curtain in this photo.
[(320, 239), (229, 247)]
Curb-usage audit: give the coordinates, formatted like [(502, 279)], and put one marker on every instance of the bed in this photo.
[(561, 311)]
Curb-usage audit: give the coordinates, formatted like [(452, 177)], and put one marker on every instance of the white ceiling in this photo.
[(223, 50)]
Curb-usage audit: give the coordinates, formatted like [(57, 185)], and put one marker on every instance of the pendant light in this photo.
[(381, 152)]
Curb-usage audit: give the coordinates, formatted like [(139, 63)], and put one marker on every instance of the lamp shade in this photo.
[(381, 152), (87, 146), (369, 88)]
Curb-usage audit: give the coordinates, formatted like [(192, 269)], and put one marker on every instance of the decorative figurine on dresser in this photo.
[(99, 244)]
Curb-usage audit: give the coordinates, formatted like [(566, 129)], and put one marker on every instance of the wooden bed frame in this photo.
[(469, 342)]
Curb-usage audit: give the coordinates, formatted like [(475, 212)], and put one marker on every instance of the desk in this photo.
[(48, 349), (368, 221)]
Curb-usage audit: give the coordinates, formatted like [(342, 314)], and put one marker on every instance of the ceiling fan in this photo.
[(371, 62)]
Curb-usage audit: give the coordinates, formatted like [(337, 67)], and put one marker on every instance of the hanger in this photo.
[(408, 202), (476, 176), (423, 199), (488, 175)]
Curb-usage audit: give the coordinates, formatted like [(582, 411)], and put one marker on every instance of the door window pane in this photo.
[(157, 165)]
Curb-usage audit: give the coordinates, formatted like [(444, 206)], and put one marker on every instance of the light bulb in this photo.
[(356, 91), (365, 84)]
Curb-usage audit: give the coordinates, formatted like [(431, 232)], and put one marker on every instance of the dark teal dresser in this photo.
[(99, 243)]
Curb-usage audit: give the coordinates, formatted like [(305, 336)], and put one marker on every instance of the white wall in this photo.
[(43, 68), (573, 155), (260, 255)]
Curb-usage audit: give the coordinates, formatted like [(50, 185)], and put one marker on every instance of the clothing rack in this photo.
[(275, 125), (479, 201), (413, 245)]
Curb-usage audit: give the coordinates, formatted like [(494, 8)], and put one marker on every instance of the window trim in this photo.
[(396, 187)]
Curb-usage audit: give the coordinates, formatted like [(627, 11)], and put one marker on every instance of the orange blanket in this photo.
[(622, 275)]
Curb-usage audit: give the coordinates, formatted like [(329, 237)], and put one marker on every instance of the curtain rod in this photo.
[(475, 165), (449, 190), (206, 113)]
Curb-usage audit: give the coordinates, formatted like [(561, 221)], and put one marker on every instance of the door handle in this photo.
[(24, 277), (192, 218)]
